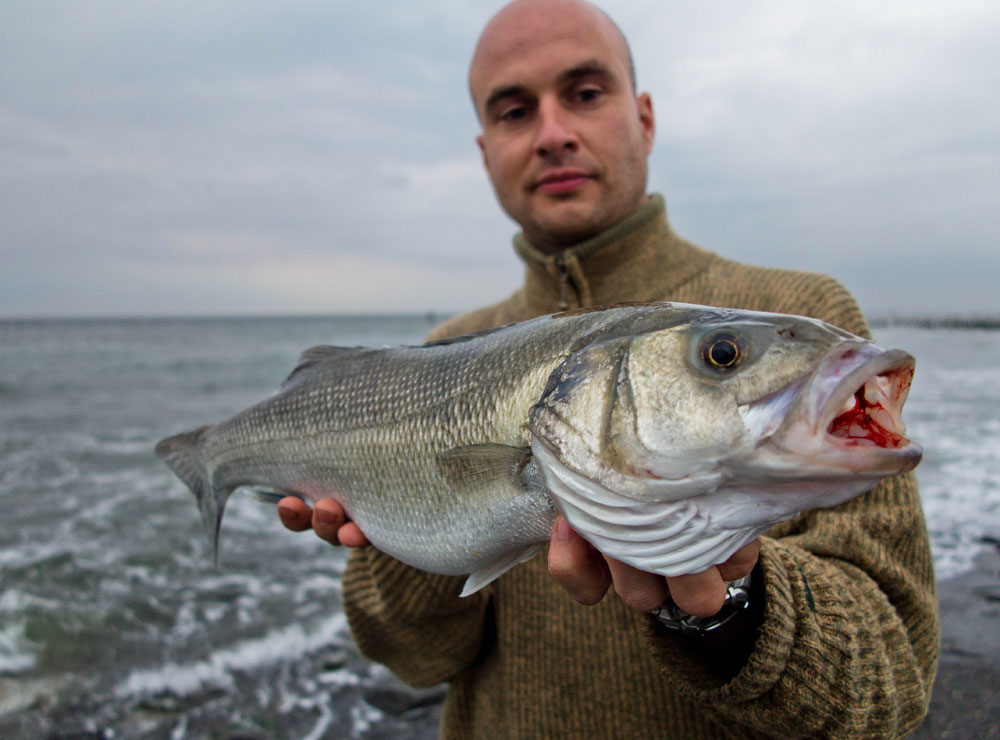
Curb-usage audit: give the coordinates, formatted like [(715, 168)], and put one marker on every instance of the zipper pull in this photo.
[(563, 283)]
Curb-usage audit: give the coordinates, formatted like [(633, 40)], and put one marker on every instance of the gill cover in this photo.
[(633, 414), (584, 441)]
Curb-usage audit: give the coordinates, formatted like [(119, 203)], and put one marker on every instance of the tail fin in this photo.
[(183, 454)]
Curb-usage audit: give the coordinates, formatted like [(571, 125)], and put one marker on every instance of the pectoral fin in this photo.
[(473, 468), (505, 481)]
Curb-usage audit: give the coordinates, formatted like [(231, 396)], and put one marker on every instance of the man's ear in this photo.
[(644, 103), (480, 142)]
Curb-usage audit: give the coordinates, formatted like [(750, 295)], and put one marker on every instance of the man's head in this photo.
[(565, 138)]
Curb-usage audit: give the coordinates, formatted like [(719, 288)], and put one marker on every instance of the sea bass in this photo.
[(668, 435)]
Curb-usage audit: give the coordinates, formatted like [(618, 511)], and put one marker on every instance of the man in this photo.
[(840, 637)]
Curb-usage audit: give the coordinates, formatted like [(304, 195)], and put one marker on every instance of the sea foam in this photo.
[(285, 644)]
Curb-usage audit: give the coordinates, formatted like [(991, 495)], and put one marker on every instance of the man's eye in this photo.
[(588, 94), (514, 114)]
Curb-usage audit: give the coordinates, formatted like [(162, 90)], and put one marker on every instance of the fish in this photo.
[(668, 435)]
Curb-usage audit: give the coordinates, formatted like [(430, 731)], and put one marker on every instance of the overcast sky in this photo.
[(182, 157)]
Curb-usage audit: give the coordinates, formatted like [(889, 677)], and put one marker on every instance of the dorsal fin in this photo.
[(317, 355), (459, 338)]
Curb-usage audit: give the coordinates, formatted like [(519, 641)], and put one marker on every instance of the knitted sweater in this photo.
[(848, 637)]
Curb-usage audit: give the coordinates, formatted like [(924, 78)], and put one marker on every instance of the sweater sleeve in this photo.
[(848, 643), (412, 621)]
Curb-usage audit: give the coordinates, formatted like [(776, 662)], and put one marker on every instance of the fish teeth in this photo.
[(877, 390), (884, 419), (879, 394)]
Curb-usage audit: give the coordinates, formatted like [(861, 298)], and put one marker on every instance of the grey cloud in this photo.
[(145, 142)]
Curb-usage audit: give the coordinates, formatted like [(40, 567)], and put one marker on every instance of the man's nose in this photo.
[(555, 133)]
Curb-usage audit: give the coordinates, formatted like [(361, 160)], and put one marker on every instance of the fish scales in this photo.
[(383, 415)]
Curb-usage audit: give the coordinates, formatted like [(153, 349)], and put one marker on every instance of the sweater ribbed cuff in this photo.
[(678, 657)]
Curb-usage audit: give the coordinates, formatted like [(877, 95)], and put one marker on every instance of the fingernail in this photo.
[(327, 517), (285, 513), (563, 530)]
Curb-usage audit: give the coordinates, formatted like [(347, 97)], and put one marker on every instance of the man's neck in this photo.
[(551, 244)]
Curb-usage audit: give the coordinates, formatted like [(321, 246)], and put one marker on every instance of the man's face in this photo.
[(564, 138)]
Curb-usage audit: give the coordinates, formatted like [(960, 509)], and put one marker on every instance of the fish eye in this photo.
[(722, 351)]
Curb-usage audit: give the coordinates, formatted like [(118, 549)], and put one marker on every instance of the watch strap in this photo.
[(674, 618)]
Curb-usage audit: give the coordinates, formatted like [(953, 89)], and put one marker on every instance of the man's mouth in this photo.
[(562, 181)]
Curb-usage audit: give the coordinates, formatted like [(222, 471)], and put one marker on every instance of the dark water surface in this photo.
[(113, 622)]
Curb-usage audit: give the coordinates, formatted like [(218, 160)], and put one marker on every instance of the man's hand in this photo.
[(328, 519), (586, 574)]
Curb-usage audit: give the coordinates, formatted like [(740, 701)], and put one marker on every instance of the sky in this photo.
[(174, 157)]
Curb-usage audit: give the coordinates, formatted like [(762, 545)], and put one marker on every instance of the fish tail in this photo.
[(183, 453)]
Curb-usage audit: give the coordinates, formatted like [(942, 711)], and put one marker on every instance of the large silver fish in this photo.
[(669, 435)]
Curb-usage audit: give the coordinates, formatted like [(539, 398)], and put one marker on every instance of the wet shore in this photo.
[(967, 688)]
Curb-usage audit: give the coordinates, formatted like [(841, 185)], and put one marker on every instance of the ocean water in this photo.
[(113, 623)]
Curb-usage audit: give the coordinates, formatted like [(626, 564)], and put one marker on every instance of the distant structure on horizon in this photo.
[(939, 322)]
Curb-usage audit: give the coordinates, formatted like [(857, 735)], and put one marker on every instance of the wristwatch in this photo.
[(674, 618)]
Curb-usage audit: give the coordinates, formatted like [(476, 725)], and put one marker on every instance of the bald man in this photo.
[(826, 627)]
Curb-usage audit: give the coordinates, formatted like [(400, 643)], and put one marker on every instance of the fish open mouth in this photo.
[(845, 417), (864, 406)]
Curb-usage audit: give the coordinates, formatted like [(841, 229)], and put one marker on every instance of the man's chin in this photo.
[(564, 222)]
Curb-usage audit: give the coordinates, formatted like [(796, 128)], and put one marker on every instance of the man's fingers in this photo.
[(327, 518), (350, 535), (701, 594), (576, 566), (638, 589), (741, 562), (294, 514)]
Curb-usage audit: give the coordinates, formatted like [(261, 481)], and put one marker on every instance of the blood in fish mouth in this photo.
[(871, 416)]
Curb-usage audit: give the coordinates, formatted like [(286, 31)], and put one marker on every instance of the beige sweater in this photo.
[(847, 644)]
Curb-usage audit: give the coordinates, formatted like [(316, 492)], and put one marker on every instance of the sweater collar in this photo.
[(611, 266)]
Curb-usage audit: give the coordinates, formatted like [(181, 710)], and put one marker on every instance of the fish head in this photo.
[(728, 395), (671, 449)]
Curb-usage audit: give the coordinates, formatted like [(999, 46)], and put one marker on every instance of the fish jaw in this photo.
[(844, 420)]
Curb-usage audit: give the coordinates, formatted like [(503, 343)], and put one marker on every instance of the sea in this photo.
[(114, 622)]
